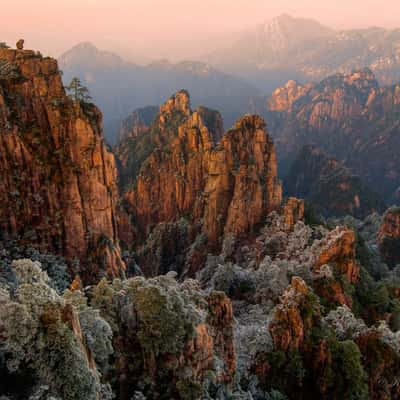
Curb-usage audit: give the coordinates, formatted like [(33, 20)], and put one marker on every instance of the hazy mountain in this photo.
[(350, 117), (329, 186), (296, 48), (119, 87)]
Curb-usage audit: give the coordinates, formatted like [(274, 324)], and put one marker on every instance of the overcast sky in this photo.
[(170, 28)]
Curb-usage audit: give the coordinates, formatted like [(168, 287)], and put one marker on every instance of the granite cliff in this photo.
[(59, 181), (210, 189)]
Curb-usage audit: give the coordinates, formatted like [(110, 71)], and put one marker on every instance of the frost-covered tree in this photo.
[(39, 336)]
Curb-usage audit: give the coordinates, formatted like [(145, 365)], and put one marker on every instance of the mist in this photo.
[(146, 30)]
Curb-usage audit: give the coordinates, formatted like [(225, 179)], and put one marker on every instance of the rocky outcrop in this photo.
[(58, 179), (338, 250), (282, 98), (382, 365), (349, 117), (219, 189), (329, 186), (292, 211), (389, 237), (293, 316), (221, 322), (242, 186)]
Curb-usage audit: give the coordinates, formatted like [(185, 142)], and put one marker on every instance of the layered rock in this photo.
[(221, 190), (329, 186), (389, 237), (348, 116), (58, 179)]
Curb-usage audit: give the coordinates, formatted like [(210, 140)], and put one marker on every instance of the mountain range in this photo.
[(349, 116), (233, 78), (119, 87), (192, 277), (296, 48)]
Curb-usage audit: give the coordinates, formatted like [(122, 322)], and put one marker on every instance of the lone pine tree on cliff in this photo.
[(78, 92)]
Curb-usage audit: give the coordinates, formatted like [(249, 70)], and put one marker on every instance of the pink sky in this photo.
[(169, 28)]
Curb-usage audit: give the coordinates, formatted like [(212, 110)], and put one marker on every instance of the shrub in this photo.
[(350, 380), (39, 337)]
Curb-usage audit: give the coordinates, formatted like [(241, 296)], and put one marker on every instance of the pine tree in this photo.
[(78, 92)]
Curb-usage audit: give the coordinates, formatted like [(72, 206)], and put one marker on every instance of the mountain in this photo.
[(265, 46), (119, 87), (330, 187), (295, 48), (177, 172), (350, 117), (254, 300), (58, 179)]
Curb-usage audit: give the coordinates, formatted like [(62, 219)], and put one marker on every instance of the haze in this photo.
[(144, 30)]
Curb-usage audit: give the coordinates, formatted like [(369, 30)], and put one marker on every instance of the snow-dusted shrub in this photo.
[(344, 323), (38, 337)]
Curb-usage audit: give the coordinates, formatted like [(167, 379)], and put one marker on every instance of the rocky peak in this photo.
[(58, 179), (224, 189), (283, 98), (338, 248), (293, 316), (285, 31), (158, 130), (86, 53), (180, 102)]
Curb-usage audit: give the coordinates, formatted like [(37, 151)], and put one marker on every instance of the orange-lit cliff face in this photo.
[(58, 180), (218, 189)]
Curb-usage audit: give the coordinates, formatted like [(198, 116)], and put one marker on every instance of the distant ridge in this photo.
[(119, 87), (300, 48)]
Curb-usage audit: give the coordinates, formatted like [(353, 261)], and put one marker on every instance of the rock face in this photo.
[(329, 186), (138, 122), (58, 179), (287, 328), (283, 98), (339, 248), (221, 190), (293, 211), (389, 237), (349, 117)]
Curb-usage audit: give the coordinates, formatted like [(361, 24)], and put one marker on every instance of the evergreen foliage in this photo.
[(78, 92)]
